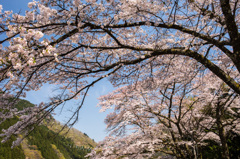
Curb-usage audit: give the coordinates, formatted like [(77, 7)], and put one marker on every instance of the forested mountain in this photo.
[(44, 142)]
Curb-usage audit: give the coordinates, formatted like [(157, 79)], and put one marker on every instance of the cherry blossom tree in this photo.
[(74, 44), (176, 115)]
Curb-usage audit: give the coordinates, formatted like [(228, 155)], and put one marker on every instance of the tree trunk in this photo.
[(221, 132)]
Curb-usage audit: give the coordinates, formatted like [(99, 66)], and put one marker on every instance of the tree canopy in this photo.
[(191, 47)]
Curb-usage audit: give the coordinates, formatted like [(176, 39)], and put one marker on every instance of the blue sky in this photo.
[(91, 121)]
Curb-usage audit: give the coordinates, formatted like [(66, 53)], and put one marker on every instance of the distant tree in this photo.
[(75, 44), (85, 134)]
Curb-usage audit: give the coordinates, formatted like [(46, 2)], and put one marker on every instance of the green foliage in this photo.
[(23, 104), (234, 145), (5, 148), (213, 150)]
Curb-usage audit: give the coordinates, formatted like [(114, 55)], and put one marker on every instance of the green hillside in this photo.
[(79, 138), (45, 143), (5, 149)]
